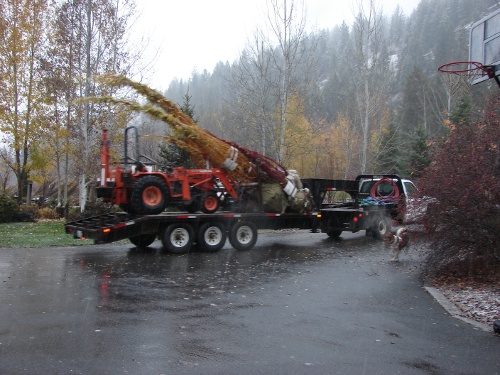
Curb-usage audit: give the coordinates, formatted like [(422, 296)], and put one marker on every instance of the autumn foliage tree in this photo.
[(465, 180), (22, 25)]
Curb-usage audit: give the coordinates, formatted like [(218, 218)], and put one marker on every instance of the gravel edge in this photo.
[(453, 310)]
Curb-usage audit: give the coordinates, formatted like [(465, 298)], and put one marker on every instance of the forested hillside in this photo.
[(361, 98), (331, 103)]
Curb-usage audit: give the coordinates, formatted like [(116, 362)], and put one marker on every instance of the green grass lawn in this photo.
[(41, 234)]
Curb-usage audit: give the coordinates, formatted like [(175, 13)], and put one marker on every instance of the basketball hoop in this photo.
[(471, 72), (471, 69)]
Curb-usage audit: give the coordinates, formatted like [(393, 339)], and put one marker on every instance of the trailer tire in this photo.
[(381, 226), (212, 236), (209, 203), (127, 207), (149, 195), (178, 238), (143, 240), (243, 235), (194, 206)]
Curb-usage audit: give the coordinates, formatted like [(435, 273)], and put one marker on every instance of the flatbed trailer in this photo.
[(179, 231)]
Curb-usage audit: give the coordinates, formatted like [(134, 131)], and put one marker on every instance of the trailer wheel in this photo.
[(149, 195), (381, 227), (143, 240), (243, 235), (212, 236), (178, 238), (209, 203), (127, 207), (194, 206)]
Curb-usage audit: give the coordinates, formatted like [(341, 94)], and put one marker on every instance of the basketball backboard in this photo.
[(484, 44)]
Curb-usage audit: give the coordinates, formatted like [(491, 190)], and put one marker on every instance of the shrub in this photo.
[(91, 209), (48, 213), (8, 209), (465, 180), (27, 214)]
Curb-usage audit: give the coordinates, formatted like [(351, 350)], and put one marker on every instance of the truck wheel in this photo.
[(210, 203), (381, 227), (143, 240), (149, 195), (334, 233), (212, 236), (243, 235), (178, 238)]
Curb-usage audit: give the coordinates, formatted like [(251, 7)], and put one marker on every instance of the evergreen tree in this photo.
[(420, 156), (171, 155), (187, 107), (388, 159), (462, 112)]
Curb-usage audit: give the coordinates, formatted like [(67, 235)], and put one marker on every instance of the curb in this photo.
[(453, 310)]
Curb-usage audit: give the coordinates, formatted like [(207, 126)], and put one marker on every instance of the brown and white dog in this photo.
[(397, 241)]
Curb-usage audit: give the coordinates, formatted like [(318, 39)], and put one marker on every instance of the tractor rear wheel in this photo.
[(149, 195)]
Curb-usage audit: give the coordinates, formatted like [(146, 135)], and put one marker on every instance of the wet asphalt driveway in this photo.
[(298, 303)]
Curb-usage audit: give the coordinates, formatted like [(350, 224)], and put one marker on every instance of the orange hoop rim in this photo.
[(472, 68)]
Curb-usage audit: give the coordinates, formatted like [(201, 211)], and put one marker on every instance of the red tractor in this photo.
[(140, 191)]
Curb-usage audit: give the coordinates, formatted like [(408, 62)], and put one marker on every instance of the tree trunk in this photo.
[(87, 130)]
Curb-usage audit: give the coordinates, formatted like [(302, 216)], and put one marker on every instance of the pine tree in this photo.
[(420, 157), (462, 112), (389, 156), (171, 154)]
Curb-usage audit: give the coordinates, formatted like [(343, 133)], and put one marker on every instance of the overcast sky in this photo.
[(196, 34)]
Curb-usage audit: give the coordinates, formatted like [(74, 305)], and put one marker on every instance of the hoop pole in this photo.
[(491, 70)]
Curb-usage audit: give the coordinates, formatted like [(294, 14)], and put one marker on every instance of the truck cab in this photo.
[(399, 194)]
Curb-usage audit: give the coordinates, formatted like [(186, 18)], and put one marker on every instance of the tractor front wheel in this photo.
[(210, 203)]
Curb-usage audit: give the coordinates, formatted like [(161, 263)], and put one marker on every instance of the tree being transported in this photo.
[(242, 164)]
